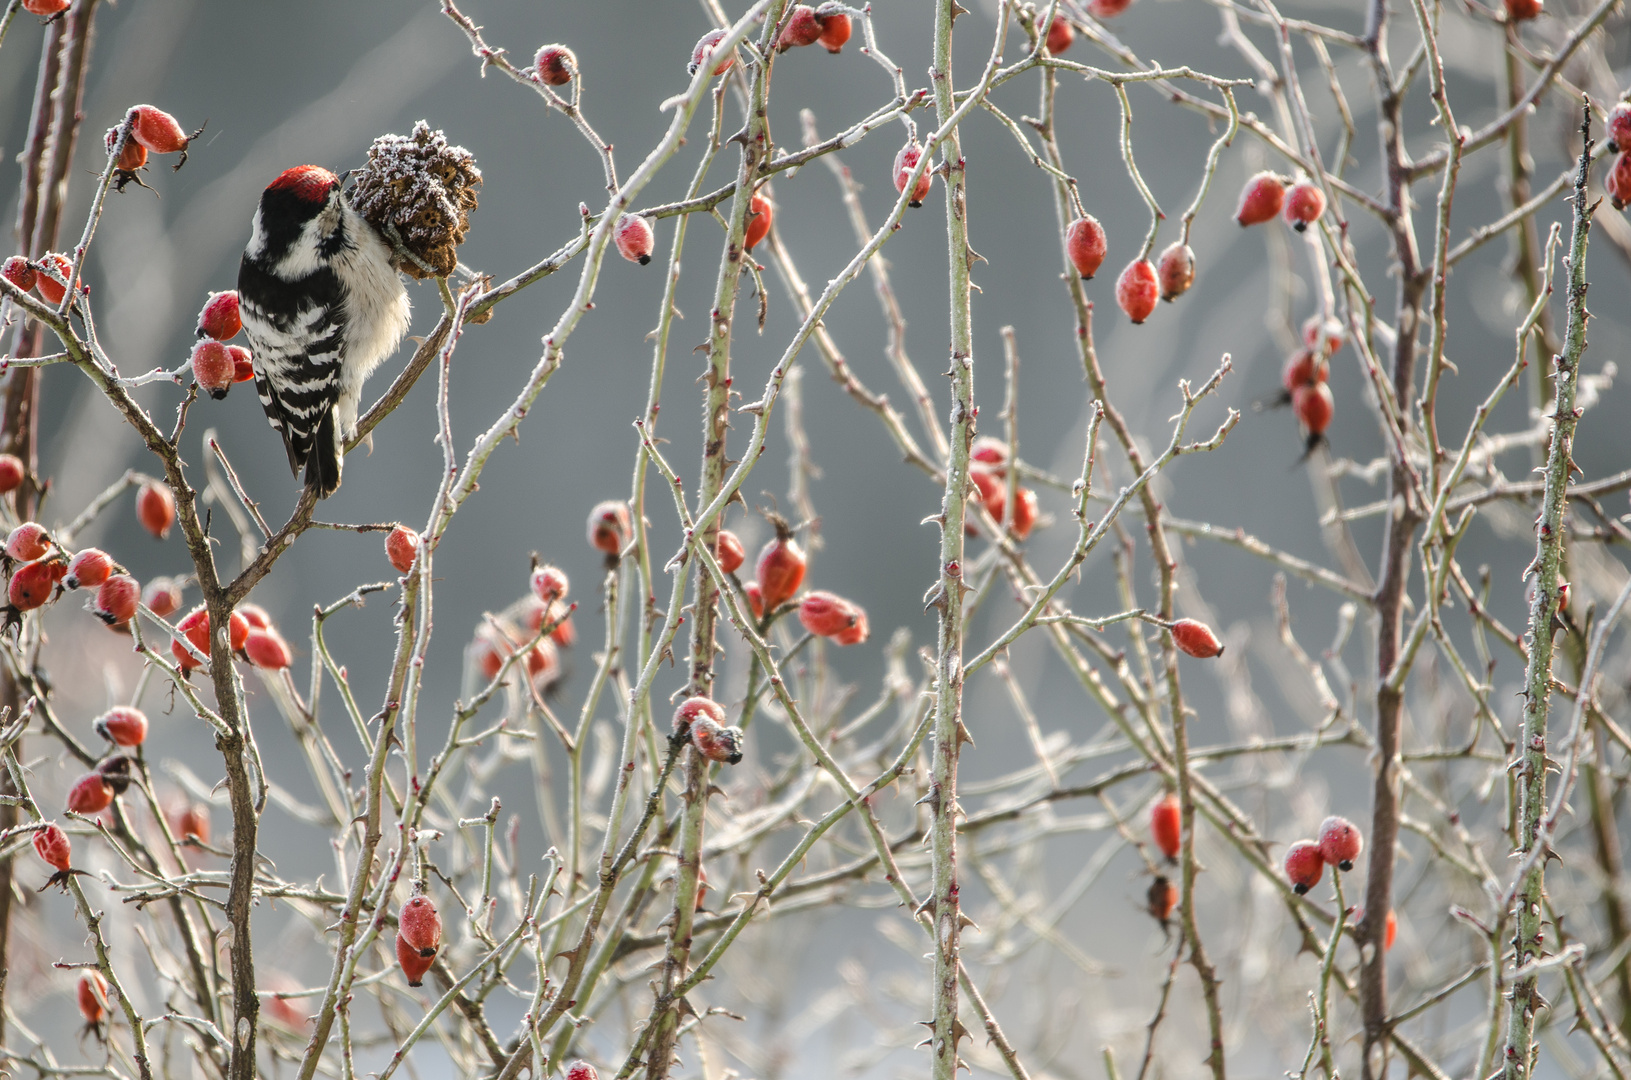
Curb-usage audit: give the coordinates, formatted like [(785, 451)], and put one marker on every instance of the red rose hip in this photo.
[(53, 845), (906, 161), (12, 472), (609, 527), (18, 271), (91, 794), (1060, 35), (116, 599), (802, 28), (1314, 406), (828, 615), (413, 965), (1340, 842), (1196, 639), (1137, 290), (835, 26), (122, 726), (158, 130), (156, 508), (1086, 245), (1304, 204), (729, 551), (704, 52), (1175, 270), (634, 238), (549, 583), (213, 368), (1166, 825), (555, 65), (401, 545), (28, 541), (53, 288), (1260, 199), (760, 212), (221, 318), (1304, 866), (89, 568), (267, 650), (780, 570)]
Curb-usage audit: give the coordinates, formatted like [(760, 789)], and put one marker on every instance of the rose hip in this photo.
[(905, 161), (1166, 825), (1260, 199), (1340, 842), (1086, 245), (1137, 290), (1175, 270), (634, 238), (780, 570), (1304, 866), (156, 508), (221, 318), (1196, 639)]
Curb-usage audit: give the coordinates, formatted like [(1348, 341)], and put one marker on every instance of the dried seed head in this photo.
[(423, 187)]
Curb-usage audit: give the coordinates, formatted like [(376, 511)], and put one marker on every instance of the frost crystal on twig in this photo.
[(424, 189)]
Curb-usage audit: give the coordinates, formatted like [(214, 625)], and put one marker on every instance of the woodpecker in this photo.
[(322, 305)]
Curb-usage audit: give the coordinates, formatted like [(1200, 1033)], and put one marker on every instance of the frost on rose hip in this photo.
[(780, 569), (581, 1070), (1304, 204), (1302, 368), (1137, 290), (162, 596), (1175, 270), (693, 709), (1320, 332), (905, 161), (760, 212), (716, 742), (220, 318), (1340, 842), (634, 238), (401, 546), (1304, 866), (131, 158), (704, 52), (418, 937), (91, 794), (1196, 639), (1086, 246), (116, 599), (213, 368), (835, 26), (156, 508), (88, 569), (1260, 199), (1166, 825), (555, 65), (802, 28), (549, 583), (52, 845), (46, 8), (1619, 126), (122, 726), (19, 272), (51, 277), (28, 541)]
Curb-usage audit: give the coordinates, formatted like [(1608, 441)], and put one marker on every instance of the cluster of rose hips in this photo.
[(988, 472), (1339, 844), (217, 365), (1304, 378), (828, 24)]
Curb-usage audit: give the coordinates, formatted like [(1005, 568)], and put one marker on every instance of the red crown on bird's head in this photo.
[(310, 183)]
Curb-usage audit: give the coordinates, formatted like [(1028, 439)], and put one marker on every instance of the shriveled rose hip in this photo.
[(780, 570), (1260, 199), (905, 161), (17, 270), (835, 26), (609, 526), (213, 369), (716, 743), (1196, 638), (28, 541), (31, 586), (1175, 270), (802, 28), (1304, 866), (116, 598), (1304, 204), (89, 568), (1340, 842), (1086, 245), (760, 212), (704, 52), (163, 597), (827, 614), (555, 65), (158, 130), (243, 364), (1161, 899), (122, 726), (1166, 825), (694, 708), (52, 276), (1060, 35), (634, 238), (12, 472), (729, 551), (401, 545), (156, 508), (1137, 290)]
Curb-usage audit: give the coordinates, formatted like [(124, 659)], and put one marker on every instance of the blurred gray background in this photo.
[(292, 82)]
